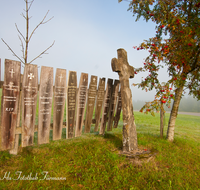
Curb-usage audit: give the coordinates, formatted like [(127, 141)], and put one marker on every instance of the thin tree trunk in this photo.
[(173, 114), (27, 30), (161, 119)]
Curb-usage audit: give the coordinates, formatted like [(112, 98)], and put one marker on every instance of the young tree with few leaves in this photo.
[(180, 52), (25, 40)]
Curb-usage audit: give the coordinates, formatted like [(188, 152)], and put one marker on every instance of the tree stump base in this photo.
[(139, 157)]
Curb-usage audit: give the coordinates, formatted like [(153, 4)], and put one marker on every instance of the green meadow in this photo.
[(93, 161)]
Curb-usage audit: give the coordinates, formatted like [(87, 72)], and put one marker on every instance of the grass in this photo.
[(92, 161)]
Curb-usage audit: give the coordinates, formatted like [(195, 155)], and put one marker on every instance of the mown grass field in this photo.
[(92, 161)]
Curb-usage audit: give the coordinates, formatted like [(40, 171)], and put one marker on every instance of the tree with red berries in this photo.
[(180, 52)]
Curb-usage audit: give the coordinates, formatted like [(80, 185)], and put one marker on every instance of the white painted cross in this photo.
[(12, 72), (31, 76), (60, 77)]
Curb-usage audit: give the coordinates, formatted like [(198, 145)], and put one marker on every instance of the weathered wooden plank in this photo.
[(81, 101), (99, 102), (113, 104), (118, 111), (14, 151), (11, 91), (45, 103), (29, 103), (71, 103), (59, 103), (92, 91), (106, 106)]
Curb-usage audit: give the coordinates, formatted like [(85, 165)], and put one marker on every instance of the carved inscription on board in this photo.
[(59, 103), (118, 111), (45, 103), (29, 103), (82, 92), (90, 103), (71, 104), (113, 104), (106, 106), (11, 90), (99, 102)]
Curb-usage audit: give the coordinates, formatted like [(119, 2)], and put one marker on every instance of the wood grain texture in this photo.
[(45, 104), (113, 104), (71, 103), (92, 91), (118, 110), (59, 103), (11, 92), (81, 101), (106, 106), (99, 102), (29, 103)]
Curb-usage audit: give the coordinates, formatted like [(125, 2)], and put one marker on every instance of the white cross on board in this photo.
[(10, 85), (31, 76), (60, 77), (12, 72)]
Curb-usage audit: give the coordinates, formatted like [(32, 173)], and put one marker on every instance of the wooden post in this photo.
[(11, 92), (125, 71), (81, 101), (106, 104), (59, 103), (118, 111), (99, 102), (113, 104), (29, 103), (14, 151), (45, 104), (90, 103), (71, 103)]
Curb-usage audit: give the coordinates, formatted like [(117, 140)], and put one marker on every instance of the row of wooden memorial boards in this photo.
[(102, 98)]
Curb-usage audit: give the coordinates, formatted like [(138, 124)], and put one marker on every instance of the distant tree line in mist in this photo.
[(188, 104)]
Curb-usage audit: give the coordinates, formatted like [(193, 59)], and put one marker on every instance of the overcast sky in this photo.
[(87, 34)]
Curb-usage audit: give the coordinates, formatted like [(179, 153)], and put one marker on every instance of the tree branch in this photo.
[(12, 51), (20, 32), (42, 22), (30, 5), (42, 52), (22, 48)]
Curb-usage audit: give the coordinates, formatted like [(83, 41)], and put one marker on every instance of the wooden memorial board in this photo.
[(106, 106), (99, 102), (71, 103), (113, 104), (59, 103), (45, 104), (10, 103), (92, 91), (81, 101), (29, 103), (118, 111)]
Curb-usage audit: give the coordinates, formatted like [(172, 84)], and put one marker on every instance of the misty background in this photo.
[(87, 35)]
